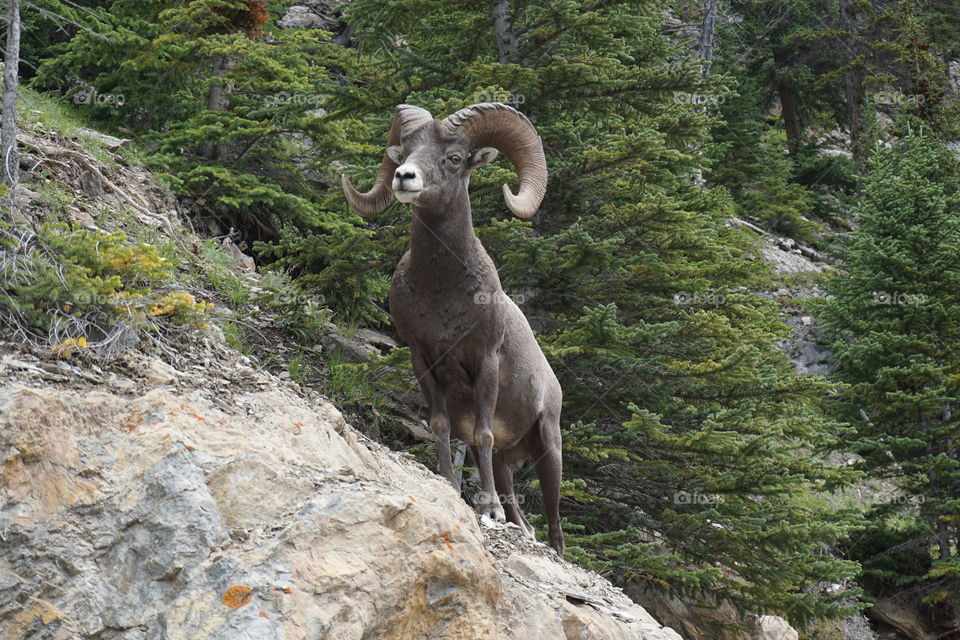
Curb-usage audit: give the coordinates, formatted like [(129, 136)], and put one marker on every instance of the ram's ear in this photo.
[(481, 157), (395, 154)]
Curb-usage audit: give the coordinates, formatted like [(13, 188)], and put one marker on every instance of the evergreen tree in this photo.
[(778, 53), (231, 109), (898, 344), (922, 73)]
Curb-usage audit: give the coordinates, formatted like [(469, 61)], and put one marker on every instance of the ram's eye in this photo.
[(456, 159)]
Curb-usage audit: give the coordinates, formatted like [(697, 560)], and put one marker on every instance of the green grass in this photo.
[(97, 149), (221, 276), (300, 372), (234, 335), (48, 112), (349, 383), (54, 198), (40, 112)]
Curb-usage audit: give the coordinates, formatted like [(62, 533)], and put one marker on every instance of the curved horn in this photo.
[(509, 131), (405, 118)]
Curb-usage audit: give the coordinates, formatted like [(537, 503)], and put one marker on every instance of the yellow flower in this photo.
[(69, 346)]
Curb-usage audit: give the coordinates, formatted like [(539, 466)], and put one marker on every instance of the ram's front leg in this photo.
[(439, 417), (440, 426), (485, 389)]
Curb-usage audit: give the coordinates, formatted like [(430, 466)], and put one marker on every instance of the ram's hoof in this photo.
[(496, 513), (528, 531), (490, 520)]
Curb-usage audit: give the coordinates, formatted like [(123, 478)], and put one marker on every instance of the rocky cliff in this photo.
[(204, 498)]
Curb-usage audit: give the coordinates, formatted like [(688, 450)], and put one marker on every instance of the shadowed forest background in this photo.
[(705, 456)]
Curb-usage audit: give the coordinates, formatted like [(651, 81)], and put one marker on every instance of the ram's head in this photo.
[(428, 162)]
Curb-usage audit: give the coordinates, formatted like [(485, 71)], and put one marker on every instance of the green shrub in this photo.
[(75, 289)]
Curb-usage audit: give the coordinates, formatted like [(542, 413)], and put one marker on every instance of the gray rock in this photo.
[(833, 153), (155, 370), (310, 15), (700, 621), (805, 348), (953, 71), (774, 628), (111, 142), (954, 146), (353, 350), (787, 261), (261, 516), (377, 339)]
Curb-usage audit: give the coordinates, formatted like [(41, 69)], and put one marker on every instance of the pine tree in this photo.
[(898, 344), (765, 155)]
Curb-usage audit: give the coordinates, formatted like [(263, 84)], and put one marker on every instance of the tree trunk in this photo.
[(504, 32), (788, 109), (853, 82), (853, 91), (705, 53), (788, 101), (706, 35), (8, 122), (944, 541), (217, 101)]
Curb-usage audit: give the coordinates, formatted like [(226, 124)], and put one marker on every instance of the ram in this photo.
[(478, 363)]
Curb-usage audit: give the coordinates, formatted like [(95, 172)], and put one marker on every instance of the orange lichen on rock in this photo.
[(131, 424), (237, 596)]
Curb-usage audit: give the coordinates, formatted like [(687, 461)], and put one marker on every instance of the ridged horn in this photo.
[(406, 118), (506, 129)]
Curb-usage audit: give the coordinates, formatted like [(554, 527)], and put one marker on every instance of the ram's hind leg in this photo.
[(544, 447), (503, 475)]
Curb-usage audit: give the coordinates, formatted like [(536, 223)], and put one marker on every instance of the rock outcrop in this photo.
[(711, 621), (312, 14), (137, 511)]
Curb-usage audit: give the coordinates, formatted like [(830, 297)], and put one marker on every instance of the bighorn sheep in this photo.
[(480, 368)]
